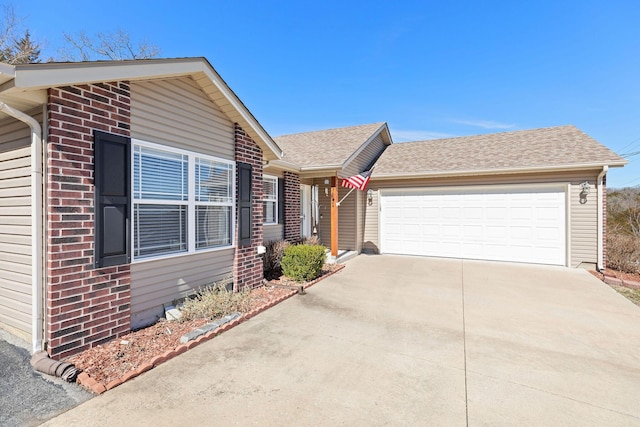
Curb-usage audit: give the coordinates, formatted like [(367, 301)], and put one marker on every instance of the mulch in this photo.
[(113, 360)]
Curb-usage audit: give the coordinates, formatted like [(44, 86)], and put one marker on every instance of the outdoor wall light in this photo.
[(585, 190), (369, 197)]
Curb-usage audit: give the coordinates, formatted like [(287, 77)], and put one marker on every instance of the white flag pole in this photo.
[(347, 195)]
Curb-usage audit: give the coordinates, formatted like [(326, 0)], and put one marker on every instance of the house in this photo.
[(123, 186), (126, 185), (534, 196)]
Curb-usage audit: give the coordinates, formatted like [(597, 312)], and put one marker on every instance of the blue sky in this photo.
[(428, 68)]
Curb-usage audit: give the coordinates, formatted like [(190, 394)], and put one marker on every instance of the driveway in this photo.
[(396, 340)]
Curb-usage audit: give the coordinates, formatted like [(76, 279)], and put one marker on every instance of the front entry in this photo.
[(305, 210)]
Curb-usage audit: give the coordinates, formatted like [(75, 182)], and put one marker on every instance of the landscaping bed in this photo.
[(110, 363), (627, 284)]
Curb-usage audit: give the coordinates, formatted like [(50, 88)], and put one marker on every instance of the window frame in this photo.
[(191, 203), (274, 200)]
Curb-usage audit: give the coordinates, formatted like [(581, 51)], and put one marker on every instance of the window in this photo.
[(213, 203), (270, 199), (182, 202)]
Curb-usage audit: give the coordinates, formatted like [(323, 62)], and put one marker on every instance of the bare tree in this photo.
[(623, 207), (16, 46), (115, 46)]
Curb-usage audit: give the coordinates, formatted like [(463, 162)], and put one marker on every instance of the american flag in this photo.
[(359, 182)]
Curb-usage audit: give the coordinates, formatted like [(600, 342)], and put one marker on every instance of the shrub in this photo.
[(303, 262), (273, 257), (623, 252), (215, 301)]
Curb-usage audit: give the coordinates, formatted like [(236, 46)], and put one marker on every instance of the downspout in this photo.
[(601, 214), (37, 318)]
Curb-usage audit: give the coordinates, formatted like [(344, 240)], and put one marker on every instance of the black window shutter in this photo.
[(112, 179), (245, 173), (280, 201)]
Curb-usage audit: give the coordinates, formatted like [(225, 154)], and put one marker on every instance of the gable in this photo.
[(177, 113)]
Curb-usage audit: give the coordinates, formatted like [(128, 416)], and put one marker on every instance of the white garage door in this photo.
[(521, 224)]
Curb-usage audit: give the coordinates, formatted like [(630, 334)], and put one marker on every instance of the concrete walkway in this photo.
[(406, 341)]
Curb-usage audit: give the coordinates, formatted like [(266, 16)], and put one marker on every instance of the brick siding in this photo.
[(247, 268), (85, 306), (291, 207)]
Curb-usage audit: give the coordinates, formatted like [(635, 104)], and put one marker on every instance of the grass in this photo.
[(632, 295)]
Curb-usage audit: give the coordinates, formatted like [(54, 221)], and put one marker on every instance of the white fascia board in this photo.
[(60, 74), (7, 73), (356, 153), (541, 169), (281, 164)]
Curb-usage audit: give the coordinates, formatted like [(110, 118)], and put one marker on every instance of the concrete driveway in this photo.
[(396, 340)]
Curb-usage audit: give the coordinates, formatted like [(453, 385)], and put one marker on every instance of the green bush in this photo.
[(303, 262)]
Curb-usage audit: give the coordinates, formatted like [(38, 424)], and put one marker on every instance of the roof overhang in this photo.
[(504, 171), (16, 81), (383, 131)]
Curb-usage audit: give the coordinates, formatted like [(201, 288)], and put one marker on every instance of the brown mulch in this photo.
[(110, 361)]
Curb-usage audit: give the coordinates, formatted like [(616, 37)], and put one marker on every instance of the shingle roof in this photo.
[(562, 146), (325, 147)]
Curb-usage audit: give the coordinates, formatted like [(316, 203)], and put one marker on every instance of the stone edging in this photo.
[(92, 385), (612, 280)]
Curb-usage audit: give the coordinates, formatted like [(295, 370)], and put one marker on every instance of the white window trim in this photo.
[(265, 199), (191, 202)]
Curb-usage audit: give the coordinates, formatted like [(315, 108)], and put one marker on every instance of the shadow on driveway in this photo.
[(28, 398)]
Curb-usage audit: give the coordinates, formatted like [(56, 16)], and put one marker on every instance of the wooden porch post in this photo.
[(334, 216)]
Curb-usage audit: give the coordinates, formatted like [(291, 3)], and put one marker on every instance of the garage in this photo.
[(499, 223)]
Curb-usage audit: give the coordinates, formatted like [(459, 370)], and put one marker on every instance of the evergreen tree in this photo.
[(25, 51)]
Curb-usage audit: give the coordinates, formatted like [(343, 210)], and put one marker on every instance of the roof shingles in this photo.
[(562, 146), (325, 148)]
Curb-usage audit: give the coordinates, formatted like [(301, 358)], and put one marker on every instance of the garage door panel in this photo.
[(523, 225)]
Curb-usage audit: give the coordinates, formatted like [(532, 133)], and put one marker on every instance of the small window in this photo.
[(270, 199), (214, 203)]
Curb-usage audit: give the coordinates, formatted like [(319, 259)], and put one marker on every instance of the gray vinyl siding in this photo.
[(273, 231), (160, 282), (366, 157), (582, 218), (347, 217), (15, 227), (176, 113)]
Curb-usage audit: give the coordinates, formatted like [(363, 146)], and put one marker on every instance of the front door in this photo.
[(305, 210)]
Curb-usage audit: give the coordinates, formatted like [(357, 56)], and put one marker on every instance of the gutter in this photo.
[(601, 214), (37, 319)]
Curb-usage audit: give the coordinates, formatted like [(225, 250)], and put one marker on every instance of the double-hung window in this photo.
[(270, 199), (182, 201)]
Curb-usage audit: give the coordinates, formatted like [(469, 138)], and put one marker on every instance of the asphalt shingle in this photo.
[(547, 147), (325, 147)]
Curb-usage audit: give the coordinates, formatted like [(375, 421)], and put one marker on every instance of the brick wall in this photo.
[(604, 222), (247, 268), (291, 207), (85, 306)]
